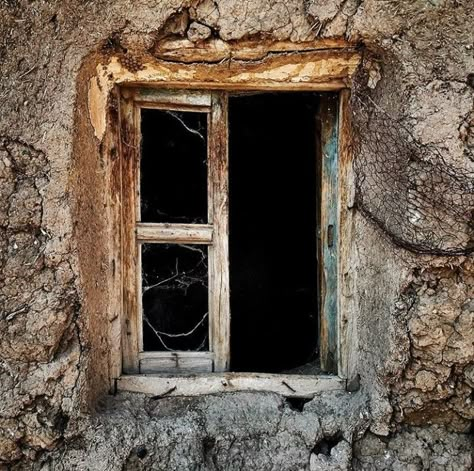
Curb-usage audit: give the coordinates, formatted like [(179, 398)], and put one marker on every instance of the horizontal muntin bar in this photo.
[(175, 233)]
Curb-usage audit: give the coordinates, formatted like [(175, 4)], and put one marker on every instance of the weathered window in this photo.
[(229, 231)]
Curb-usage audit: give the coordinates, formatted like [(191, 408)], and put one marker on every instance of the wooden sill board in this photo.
[(215, 383)]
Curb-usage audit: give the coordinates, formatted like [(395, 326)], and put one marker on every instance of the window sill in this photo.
[(215, 383)]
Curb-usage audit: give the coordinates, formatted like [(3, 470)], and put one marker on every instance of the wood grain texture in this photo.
[(219, 300), (173, 98), (175, 233), (175, 366), (112, 150), (303, 70), (180, 354), (130, 154), (176, 362), (216, 50), (195, 385), (346, 324), (329, 229)]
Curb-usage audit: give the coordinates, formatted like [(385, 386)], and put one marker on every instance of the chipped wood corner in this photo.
[(96, 104)]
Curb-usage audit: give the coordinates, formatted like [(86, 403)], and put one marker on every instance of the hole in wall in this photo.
[(324, 446), (297, 403), (141, 451)]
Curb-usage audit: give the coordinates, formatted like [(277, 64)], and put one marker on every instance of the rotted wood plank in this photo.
[(175, 233), (329, 232), (303, 70), (216, 50), (130, 154), (219, 308)]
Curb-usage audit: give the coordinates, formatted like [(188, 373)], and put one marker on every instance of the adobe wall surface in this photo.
[(411, 315)]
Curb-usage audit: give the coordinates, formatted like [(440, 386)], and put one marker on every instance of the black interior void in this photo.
[(273, 214), (173, 167)]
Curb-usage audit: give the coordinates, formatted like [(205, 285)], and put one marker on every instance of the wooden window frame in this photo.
[(134, 90), (214, 234)]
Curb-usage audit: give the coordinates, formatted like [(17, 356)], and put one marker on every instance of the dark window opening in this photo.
[(274, 201), (173, 169), (272, 240)]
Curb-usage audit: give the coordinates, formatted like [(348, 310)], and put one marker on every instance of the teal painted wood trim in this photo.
[(329, 231)]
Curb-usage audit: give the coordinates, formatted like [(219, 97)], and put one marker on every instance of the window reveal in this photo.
[(177, 297)]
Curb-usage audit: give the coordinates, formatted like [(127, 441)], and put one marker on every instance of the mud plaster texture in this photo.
[(411, 326)]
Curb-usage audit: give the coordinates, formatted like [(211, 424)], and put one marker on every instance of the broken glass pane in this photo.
[(175, 297), (173, 178)]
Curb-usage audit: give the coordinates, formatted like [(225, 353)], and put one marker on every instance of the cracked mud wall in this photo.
[(410, 317), (435, 330)]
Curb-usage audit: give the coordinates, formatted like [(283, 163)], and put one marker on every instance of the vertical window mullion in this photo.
[(219, 251)]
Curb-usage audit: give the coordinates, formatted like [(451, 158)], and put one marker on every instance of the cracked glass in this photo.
[(175, 297)]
